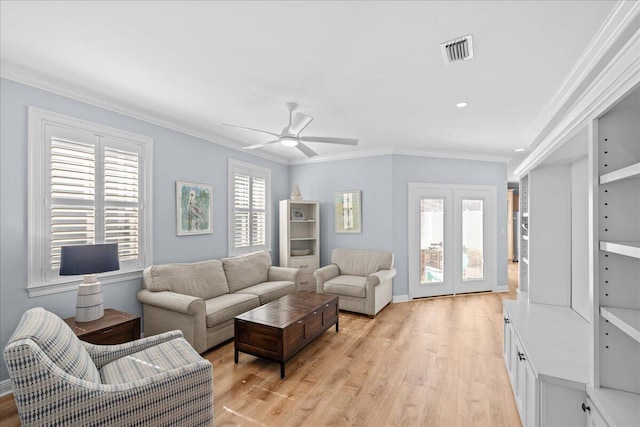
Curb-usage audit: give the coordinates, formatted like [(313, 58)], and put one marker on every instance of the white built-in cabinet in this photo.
[(300, 239), (572, 337)]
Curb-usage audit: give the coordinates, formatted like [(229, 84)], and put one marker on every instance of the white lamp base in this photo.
[(89, 305)]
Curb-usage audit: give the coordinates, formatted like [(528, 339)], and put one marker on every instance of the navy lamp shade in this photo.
[(89, 260)]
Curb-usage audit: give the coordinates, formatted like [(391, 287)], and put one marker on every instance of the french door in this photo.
[(452, 239)]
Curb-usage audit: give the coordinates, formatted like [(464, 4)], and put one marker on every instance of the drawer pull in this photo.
[(107, 331), (327, 305), (585, 408), (315, 312), (304, 266), (506, 320), (521, 356), (299, 321), (305, 282)]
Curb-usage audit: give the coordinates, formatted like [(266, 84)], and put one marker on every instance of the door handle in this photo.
[(585, 408), (521, 356)]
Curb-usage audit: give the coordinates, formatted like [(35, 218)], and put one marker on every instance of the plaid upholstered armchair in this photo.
[(59, 380)]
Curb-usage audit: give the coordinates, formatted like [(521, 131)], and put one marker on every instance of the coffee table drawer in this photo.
[(257, 339), (330, 313)]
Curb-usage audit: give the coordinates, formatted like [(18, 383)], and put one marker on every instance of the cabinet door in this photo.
[(594, 418), (519, 373), (508, 352), (530, 397)]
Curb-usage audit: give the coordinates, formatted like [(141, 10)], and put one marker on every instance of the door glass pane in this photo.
[(472, 239), (431, 240)]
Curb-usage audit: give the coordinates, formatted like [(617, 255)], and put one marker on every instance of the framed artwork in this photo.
[(298, 215), (348, 211), (194, 208)]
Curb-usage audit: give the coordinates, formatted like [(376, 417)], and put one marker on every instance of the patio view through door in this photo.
[(452, 239)]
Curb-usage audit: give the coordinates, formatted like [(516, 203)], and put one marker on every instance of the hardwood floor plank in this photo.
[(429, 362)]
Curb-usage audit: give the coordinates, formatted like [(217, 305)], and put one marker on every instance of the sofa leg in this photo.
[(372, 316)]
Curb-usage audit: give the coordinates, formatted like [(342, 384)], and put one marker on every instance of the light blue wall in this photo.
[(384, 182), (372, 176), (176, 156)]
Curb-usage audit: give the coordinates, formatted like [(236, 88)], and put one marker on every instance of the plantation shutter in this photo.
[(121, 198), (72, 196), (93, 195), (250, 202)]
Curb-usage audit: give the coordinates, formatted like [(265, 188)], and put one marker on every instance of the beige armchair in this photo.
[(363, 280), (59, 380)]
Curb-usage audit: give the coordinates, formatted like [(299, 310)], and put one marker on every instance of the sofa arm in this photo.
[(173, 301), (325, 273), (103, 354), (382, 276), (167, 311), (283, 274)]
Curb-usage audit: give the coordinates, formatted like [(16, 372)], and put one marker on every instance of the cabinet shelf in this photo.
[(619, 408), (525, 260), (303, 220), (302, 238), (525, 215), (625, 319), (632, 171), (525, 237), (630, 249)]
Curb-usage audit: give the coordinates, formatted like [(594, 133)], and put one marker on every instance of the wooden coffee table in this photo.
[(281, 328)]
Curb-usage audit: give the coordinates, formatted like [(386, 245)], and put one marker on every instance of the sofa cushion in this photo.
[(247, 270), (56, 339), (226, 307), (352, 286), (204, 279), (269, 291), (361, 263), (158, 359)]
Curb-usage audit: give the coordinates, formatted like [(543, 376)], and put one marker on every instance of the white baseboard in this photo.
[(400, 298), (6, 387)]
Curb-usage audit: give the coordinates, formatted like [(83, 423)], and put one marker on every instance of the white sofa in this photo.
[(203, 298), (363, 280)]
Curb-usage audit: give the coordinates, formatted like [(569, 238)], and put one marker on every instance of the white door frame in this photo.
[(452, 260)]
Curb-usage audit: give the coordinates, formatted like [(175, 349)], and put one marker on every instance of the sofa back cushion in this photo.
[(205, 279), (56, 339), (247, 270), (361, 263)]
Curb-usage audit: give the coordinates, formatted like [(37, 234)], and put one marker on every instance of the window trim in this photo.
[(37, 196), (233, 166)]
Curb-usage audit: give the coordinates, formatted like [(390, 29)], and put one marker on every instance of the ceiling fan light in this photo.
[(289, 142)]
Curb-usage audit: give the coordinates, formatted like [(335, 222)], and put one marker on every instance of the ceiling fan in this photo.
[(290, 135)]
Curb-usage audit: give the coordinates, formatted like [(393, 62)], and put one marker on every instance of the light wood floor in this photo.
[(430, 362)]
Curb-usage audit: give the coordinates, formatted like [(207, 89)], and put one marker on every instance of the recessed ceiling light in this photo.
[(518, 150), (462, 104)]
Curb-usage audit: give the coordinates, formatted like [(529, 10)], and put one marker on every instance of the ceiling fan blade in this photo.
[(262, 144), (299, 122), (251, 129), (306, 150), (343, 141)]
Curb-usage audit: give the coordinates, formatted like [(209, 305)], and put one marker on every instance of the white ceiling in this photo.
[(371, 70)]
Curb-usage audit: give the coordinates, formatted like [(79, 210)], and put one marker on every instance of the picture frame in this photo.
[(298, 215), (348, 211), (194, 208)]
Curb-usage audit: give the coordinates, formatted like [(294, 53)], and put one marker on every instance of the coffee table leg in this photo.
[(337, 323), (235, 355), (282, 370)]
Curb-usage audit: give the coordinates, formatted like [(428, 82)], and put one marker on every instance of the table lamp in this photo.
[(89, 260)]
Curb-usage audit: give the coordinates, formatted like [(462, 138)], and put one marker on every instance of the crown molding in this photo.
[(47, 83), (585, 71), (619, 77), (453, 155)]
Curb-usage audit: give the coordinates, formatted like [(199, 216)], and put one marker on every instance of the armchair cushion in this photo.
[(353, 286), (56, 339), (204, 279), (226, 307), (247, 270), (361, 263), (149, 362)]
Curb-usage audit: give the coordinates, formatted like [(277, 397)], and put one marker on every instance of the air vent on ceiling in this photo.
[(456, 50)]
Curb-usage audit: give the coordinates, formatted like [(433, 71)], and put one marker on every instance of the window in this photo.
[(88, 184), (249, 201)]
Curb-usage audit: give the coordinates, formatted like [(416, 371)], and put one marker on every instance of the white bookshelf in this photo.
[(300, 239), (616, 205)]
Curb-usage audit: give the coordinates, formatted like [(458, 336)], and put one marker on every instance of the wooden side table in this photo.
[(116, 327)]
